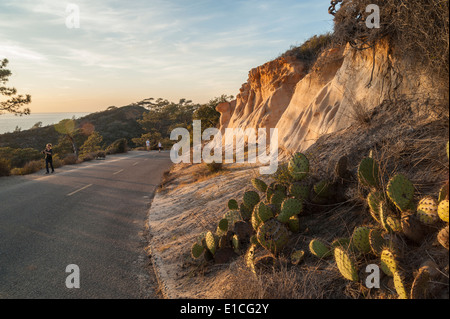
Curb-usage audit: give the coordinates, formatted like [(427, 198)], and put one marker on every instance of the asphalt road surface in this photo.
[(91, 215)]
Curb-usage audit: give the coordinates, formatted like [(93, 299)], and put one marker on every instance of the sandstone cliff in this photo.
[(342, 87)]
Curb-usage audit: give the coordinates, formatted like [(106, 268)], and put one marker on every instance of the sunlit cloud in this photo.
[(148, 48)]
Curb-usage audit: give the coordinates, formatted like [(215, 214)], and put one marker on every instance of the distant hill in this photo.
[(113, 123)]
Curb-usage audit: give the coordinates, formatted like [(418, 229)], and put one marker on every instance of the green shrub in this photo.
[(57, 162), (70, 159), (5, 168), (311, 48), (18, 157), (29, 168), (118, 146), (87, 157)]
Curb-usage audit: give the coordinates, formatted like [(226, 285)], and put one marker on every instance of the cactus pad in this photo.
[(421, 283), (197, 250), (400, 285), (400, 191), (297, 256), (322, 189), (346, 264), (211, 242), (360, 239), (394, 224), (374, 200), (427, 211), (298, 166), (294, 224), (289, 208), (250, 199), (259, 185), (443, 210), (319, 249), (377, 242), (223, 224), (442, 237), (299, 191), (233, 204), (264, 212), (273, 235), (389, 263), (368, 173)]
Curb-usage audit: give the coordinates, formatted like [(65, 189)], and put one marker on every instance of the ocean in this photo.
[(9, 122)]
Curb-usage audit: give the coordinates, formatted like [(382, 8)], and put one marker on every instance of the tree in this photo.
[(15, 102), (67, 128), (92, 144), (207, 112)]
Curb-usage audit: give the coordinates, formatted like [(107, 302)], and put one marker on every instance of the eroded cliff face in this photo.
[(341, 88)]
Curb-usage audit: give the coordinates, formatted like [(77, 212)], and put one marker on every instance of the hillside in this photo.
[(362, 181), (112, 124)]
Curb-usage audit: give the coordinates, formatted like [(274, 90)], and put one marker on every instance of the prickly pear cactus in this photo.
[(246, 212), (232, 217), (298, 166), (360, 239), (322, 189), (368, 173), (400, 191), (374, 200), (400, 285), (223, 225), (289, 208), (299, 190), (297, 256), (346, 264), (427, 210), (277, 198), (377, 242), (442, 237), (319, 249), (273, 235), (394, 224), (250, 199), (211, 242), (264, 212), (294, 224), (389, 263), (343, 242), (233, 204), (197, 250), (259, 185), (443, 210), (421, 284), (236, 244)]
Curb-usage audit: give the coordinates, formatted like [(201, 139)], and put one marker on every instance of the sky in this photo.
[(125, 51)]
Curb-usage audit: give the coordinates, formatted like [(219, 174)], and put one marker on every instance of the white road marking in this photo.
[(79, 190), (135, 163), (118, 172)]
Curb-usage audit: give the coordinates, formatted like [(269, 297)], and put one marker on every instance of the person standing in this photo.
[(48, 157), (159, 146), (148, 145)]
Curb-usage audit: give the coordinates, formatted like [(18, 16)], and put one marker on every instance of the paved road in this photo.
[(91, 215)]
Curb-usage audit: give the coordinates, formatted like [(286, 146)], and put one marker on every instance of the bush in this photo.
[(57, 162), (118, 146), (311, 48), (70, 159), (418, 29), (18, 157), (88, 157), (214, 167), (5, 168), (29, 168)]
